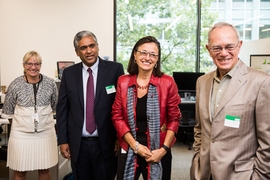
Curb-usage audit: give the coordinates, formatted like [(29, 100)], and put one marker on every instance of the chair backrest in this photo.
[(185, 120)]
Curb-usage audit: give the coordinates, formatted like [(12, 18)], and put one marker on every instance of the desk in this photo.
[(7, 130), (2, 98), (183, 101)]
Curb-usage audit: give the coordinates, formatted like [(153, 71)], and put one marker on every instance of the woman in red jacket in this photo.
[(146, 115)]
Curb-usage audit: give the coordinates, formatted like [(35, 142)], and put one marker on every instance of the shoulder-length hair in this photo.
[(132, 65)]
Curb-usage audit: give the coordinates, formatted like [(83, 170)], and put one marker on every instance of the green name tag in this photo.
[(232, 121), (110, 89)]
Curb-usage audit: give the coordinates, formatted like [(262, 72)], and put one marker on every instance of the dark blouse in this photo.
[(141, 120)]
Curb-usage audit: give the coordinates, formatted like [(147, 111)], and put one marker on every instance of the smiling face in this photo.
[(146, 56), (224, 47), (32, 67), (88, 50)]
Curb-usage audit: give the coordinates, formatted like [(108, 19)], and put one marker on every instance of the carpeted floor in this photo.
[(181, 161)]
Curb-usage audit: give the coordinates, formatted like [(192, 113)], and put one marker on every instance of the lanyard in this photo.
[(35, 88)]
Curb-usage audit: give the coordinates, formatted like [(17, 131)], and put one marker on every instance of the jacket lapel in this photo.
[(79, 83), (102, 70), (237, 81), (209, 85)]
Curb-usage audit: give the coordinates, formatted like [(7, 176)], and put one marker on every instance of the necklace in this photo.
[(142, 87)]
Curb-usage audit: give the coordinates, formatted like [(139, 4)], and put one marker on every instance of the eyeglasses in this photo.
[(228, 48), (28, 64), (144, 54)]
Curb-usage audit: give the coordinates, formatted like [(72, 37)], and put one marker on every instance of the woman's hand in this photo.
[(143, 151), (156, 155), (138, 148)]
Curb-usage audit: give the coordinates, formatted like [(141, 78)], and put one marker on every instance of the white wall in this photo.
[(48, 27), (261, 46)]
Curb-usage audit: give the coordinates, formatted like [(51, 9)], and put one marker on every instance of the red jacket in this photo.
[(169, 100)]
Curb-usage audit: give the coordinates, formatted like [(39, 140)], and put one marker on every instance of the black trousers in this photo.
[(166, 163), (91, 163)]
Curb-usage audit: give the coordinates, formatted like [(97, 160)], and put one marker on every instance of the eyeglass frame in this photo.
[(28, 64), (220, 48), (145, 53)]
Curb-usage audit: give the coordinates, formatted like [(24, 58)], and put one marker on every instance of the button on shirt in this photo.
[(85, 76)]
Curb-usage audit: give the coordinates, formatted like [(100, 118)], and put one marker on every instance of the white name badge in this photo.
[(35, 117), (232, 121), (110, 89), (123, 151)]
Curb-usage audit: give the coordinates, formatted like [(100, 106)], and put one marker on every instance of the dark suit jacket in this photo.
[(70, 114)]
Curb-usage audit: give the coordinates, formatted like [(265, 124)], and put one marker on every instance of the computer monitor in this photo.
[(61, 65), (186, 81)]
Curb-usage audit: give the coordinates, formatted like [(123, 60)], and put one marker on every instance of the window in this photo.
[(251, 21), (265, 31), (174, 24)]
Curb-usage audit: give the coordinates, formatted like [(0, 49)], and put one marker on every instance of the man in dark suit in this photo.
[(92, 153)]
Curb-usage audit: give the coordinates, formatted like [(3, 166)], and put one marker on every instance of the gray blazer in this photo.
[(229, 153)]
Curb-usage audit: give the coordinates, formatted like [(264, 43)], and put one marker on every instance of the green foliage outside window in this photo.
[(139, 18)]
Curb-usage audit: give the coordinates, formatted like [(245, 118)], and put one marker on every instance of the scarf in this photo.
[(153, 122)]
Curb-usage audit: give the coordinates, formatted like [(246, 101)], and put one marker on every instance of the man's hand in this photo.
[(64, 149)]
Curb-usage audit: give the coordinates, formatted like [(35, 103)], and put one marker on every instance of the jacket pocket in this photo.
[(46, 120), (24, 121), (244, 165)]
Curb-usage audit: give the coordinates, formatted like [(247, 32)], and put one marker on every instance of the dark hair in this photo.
[(80, 35), (132, 65)]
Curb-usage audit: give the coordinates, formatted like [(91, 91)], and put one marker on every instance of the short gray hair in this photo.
[(82, 34), (222, 24)]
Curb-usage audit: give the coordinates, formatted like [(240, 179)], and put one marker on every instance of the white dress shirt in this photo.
[(85, 76)]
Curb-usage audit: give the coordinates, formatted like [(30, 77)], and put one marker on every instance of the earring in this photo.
[(155, 65), (135, 61)]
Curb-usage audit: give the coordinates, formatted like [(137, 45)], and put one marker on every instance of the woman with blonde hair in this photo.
[(30, 102)]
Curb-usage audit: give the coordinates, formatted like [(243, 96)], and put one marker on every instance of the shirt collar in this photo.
[(230, 73), (94, 67)]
